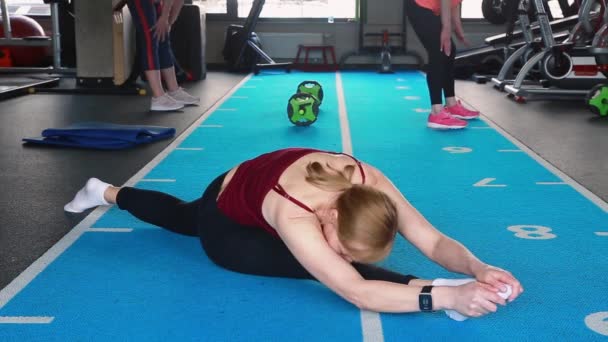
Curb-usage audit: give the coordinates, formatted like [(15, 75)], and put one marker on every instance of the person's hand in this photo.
[(445, 41), (476, 299), (162, 28), (498, 278), (459, 32)]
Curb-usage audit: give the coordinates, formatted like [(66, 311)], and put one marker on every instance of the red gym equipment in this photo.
[(27, 29)]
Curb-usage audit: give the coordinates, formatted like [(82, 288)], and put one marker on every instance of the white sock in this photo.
[(91, 195), (453, 314), (451, 282)]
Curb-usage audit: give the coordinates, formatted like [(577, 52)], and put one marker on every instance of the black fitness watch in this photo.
[(425, 299)]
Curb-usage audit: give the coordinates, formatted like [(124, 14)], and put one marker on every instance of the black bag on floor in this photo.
[(188, 43)]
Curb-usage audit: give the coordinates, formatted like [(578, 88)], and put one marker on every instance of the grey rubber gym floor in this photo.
[(35, 182)]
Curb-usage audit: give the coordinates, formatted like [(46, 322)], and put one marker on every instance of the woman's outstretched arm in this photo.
[(438, 247), (305, 240)]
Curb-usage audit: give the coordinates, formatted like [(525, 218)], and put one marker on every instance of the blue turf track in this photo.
[(474, 185)]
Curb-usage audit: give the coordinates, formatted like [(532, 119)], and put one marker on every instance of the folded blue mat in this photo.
[(99, 135)]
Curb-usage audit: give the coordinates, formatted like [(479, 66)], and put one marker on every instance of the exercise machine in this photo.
[(597, 97), (386, 64), (52, 42), (498, 11), (569, 68), (523, 53), (484, 62), (382, 40), (242, 47), (18, 80), (103, 50)]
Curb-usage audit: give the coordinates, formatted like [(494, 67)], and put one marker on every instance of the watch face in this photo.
[(425, 301)]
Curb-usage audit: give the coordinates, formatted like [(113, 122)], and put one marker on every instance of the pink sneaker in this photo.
[(458, 111), (443, 120)]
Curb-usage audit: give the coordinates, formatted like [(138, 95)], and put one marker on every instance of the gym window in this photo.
[(27, 7), (24, 2), (340, 9), (471, 9), (215, 6)]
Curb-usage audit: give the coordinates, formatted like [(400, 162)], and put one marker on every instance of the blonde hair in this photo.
[(366, 216)]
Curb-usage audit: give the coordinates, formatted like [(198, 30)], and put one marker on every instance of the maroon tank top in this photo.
[(242, 198)]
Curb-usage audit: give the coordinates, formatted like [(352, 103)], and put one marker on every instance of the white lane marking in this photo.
[(347, 146), (189, 148), (457, 149), (486, 183), (371, 325), (109, 230), (157, 180), (598, 322), (26, 319)]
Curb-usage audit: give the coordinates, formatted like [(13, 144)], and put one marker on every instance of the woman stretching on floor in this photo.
[(310, 214)]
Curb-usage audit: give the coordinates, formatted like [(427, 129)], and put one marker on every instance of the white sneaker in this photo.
[(165, 103), (182, 97)]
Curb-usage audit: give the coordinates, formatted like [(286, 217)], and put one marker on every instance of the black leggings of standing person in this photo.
[(440, 73)]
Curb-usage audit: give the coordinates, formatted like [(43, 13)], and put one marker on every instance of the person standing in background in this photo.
[(434, 22), (153, 20)]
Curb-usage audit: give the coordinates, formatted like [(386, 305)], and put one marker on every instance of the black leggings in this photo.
[(440, 73), (238, 248)]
